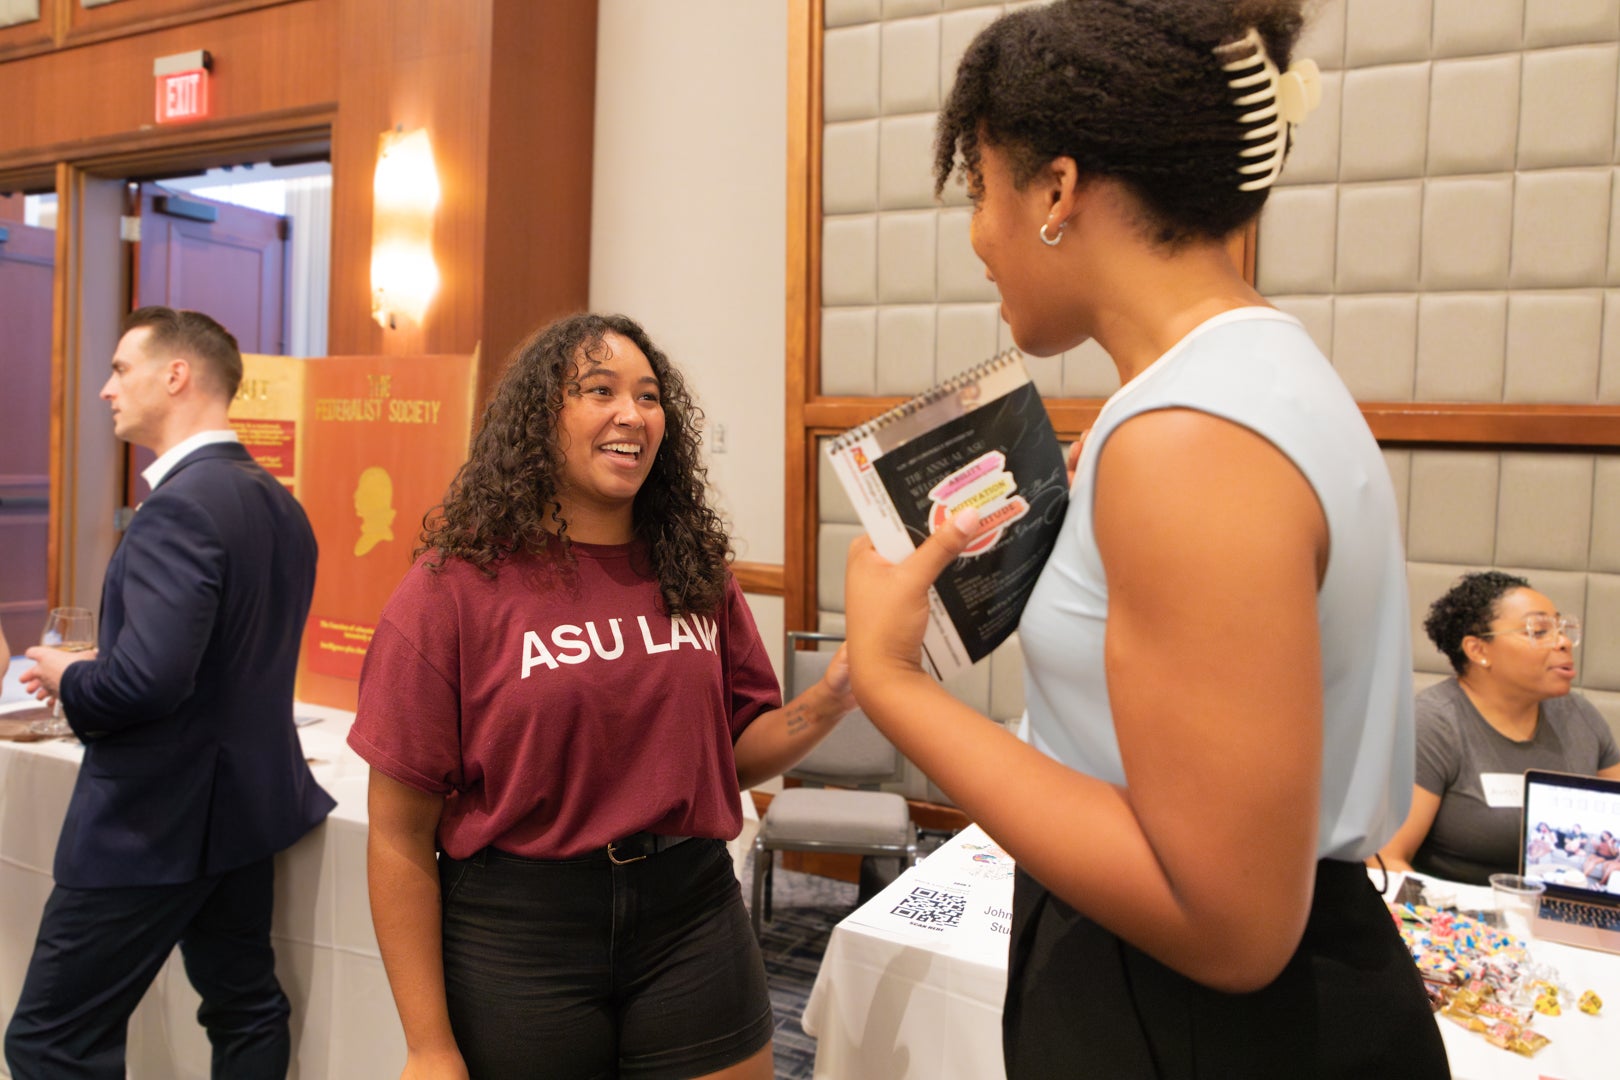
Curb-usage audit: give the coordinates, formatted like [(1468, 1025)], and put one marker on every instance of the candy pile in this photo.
[(1484, 978)]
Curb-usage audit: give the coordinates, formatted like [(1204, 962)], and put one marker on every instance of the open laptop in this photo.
[(1570, 840)]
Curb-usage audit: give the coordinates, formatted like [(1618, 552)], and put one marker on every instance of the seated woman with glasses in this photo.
[(1508, 709)]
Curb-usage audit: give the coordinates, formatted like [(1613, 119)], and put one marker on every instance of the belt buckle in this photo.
[(616, 861)]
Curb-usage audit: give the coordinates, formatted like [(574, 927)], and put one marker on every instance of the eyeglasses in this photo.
[(1544, 630)]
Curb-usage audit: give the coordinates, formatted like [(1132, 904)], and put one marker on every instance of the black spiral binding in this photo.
[(946, 389)]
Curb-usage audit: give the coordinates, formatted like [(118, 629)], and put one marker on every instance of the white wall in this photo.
[(688, 229), (688, 222)]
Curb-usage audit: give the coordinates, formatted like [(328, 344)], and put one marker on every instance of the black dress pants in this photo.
[(99, 949), (1083, 1003)]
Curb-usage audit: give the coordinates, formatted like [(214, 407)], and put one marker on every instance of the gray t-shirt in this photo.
[(1471, 839)]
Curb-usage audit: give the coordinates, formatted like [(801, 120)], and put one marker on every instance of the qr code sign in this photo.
[(934, 908)]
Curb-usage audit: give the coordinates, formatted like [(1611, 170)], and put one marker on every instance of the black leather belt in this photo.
[(638, 846)]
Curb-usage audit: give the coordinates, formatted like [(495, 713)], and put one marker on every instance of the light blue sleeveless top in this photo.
[(1256, 367)]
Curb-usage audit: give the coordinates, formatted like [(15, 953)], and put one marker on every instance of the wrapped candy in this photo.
[(1590, 1003), (1547, 1002), (1528, 1042)]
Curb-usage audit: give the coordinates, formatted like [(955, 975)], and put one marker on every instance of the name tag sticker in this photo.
[(1503, 790)]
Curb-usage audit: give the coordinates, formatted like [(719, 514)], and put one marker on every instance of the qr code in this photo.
[(932, 907)]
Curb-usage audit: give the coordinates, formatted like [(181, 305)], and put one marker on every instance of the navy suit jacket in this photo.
[(192, 765)]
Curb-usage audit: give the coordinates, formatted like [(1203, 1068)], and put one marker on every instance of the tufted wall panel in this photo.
[(13, 12), (1447, 228)]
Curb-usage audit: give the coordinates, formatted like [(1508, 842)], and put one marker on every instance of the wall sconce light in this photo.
[(405, 191)]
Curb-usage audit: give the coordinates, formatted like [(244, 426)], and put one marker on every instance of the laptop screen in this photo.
[(1571, 830)]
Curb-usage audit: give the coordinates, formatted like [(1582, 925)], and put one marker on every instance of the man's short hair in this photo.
[(196, 337)]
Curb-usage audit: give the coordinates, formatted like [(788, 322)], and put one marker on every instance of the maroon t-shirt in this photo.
[(556, 707)]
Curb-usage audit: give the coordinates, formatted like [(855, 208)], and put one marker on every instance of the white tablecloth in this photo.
[(904, 993), (912, 982), (343, 1022)]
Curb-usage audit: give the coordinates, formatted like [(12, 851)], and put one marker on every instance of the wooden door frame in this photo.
[(83, 292)]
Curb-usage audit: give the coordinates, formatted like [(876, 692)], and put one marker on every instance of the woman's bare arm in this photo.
[(402, 876), (1397, 854), (1214, 546), (779, 740)]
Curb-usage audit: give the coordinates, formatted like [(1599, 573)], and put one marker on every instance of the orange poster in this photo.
[(382, 437)]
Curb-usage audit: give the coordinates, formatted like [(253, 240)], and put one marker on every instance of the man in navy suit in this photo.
[(193, 777)]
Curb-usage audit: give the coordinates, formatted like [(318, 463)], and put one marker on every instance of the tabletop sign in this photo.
[(182, 87)]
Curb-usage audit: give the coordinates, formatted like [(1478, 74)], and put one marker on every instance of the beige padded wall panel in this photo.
[(849, 167), (1384, 122), (1399, 463), (1375, 345), (905, 169), (1296, 247), (1473, 115), (1552, 133), (1552, 346), (1476, 27), (1569, 22), (1561, 228), (1544, 511), (906, 258), (1606, 515), (1445, 229), (1386, 31), (18, 11), (1600, 666), (967, 334), (1609, 349), (1462, 347), (1467, 232), (1451, 514), (1379, 229), (849, 351), (849, 58)]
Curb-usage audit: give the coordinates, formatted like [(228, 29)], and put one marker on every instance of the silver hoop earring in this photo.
[(1053, 242)]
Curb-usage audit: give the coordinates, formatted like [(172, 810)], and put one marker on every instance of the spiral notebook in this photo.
[(980, 439)]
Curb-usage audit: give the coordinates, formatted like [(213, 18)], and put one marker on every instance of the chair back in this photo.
[(856, 754)]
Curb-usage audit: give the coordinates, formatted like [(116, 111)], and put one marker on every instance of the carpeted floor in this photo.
[(804, 910)]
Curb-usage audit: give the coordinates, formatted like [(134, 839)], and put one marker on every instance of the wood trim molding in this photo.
[(206, 144), (803, 301), (760, 579), (105, 24), (1518, 426), (64, 346), (1401, 423)]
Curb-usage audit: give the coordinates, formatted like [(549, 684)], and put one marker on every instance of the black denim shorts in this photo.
[(582, 968)]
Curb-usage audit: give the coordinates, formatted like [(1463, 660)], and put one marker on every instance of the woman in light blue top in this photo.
[(1218, 658)]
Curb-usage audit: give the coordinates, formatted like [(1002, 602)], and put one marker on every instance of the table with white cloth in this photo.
[(912, 984), (344, 1026)]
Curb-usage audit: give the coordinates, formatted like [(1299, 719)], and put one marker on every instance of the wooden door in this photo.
[(27, 259), (213, 257)]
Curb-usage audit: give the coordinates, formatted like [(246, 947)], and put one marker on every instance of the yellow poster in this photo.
[(266, 411)]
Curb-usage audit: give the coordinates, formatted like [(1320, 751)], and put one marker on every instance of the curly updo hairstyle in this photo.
[(1129, 89), (1466, 610), (504, 499)]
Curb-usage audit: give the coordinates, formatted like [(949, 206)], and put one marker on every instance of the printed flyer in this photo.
[(982, 439)]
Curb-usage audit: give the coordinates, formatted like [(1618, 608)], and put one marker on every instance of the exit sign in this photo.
[(182, 87)]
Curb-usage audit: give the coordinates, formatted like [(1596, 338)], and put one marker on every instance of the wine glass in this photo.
[(71, 629)]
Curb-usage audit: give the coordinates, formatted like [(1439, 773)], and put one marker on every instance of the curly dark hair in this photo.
[(1129, 89), (1466, 610), (504, 499)]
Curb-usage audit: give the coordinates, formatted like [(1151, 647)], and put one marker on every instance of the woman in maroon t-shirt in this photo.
[(561, 705)]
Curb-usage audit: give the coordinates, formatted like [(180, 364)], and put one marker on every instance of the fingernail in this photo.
[(967, 520)]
